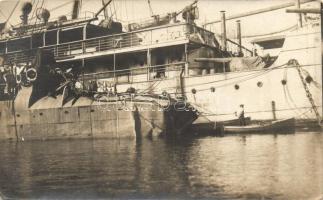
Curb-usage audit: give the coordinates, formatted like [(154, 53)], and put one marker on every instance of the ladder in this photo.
[(308, 93)]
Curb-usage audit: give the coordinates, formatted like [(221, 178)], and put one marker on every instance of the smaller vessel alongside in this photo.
[(284, 125)]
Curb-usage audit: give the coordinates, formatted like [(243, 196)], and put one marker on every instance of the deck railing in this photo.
[(152, 36), (146, 72), (124, 40)]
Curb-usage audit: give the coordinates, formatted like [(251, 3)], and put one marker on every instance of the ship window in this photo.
[(37, 40), (284, 82), (212, 89), (309, 79), (71, 35), (194, 91), (51, 38), (259, 84), (2, 47), (19, 44), (236, 87)]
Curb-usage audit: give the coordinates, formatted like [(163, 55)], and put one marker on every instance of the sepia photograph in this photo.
[(161, 99)]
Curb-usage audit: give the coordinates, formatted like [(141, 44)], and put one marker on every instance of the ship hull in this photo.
[(88, 119)]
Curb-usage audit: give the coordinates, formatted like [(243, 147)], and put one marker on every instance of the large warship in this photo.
[(76, 77)]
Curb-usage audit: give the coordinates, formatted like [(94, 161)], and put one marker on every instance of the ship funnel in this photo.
[(43, 14), (223, 31), (239, 37), (26, 9)]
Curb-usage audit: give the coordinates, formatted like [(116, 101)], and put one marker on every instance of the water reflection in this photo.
[(232, 167)]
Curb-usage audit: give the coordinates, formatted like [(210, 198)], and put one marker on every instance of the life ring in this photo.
[(18, 78), (31, 74)]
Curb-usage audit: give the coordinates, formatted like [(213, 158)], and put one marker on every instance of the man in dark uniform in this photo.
[(242, 120)]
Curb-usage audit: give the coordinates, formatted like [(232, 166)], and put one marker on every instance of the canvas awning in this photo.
[(271, 42)]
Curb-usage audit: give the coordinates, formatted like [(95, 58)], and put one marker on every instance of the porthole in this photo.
[(194, 91), (284, 82), (66, 112), (164, 93), (212, 89), (41, 114), (236, 87), (308, 79), (18, 115), (259, 84)]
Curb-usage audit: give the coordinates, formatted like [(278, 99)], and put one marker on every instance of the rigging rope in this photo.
[(150, 9), (4, 16), (272, 33), (289, 98), (125, 4), (12, 11), (115, 10), (34, 11)]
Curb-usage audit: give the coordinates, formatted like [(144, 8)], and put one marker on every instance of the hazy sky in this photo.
[(131, 10)]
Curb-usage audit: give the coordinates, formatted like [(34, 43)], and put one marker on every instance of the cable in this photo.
[(35, 8), (60, 6), (115, 10), (13, 11), (4, 16), (150, 9), (287, 95), (125, 4), (272, 33)]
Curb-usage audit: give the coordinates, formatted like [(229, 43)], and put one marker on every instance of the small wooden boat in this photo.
[(233, 122), (202, 126), (285, 125)]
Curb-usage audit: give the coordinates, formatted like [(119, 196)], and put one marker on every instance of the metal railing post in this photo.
[(131, 39)]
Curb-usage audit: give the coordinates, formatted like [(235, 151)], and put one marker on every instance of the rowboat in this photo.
[(233, 122), (284, 125)]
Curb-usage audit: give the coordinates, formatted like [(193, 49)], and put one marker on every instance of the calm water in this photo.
[(231, 167)]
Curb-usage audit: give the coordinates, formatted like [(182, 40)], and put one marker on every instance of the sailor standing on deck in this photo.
[(240, 114)]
